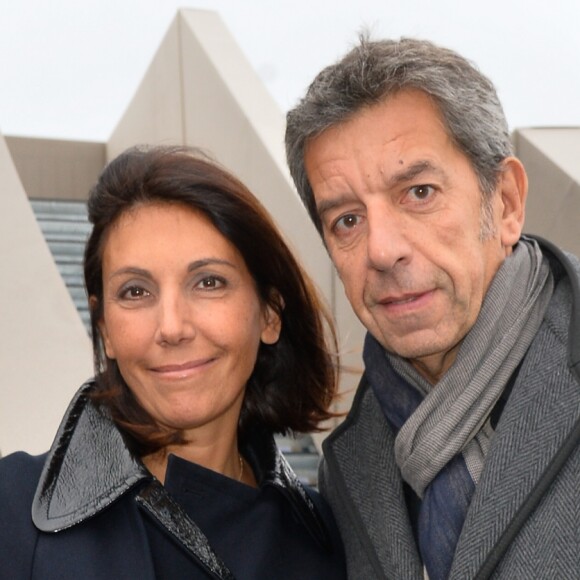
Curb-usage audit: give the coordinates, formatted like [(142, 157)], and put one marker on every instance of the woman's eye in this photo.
[(134, 293), (422, 192), (211, 283)]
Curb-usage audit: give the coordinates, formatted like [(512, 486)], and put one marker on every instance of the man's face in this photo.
[(400, 207)]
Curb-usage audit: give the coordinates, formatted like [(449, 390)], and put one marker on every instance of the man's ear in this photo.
[(513, 191), (109, 351)]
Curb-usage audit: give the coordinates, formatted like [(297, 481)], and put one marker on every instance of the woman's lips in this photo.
[(182, 369)]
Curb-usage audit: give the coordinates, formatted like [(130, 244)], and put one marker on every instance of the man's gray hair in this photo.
[(372, 71)]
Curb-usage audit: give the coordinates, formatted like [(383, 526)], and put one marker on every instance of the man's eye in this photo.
[(346, 222), (421, 192)]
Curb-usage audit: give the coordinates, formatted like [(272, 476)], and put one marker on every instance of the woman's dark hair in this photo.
[(294, 380)]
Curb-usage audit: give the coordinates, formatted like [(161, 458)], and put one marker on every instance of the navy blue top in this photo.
[(253, 530)]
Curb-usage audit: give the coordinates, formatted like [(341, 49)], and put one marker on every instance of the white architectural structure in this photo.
[(199, 90)]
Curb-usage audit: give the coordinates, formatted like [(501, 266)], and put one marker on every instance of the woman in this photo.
[(208, 339)]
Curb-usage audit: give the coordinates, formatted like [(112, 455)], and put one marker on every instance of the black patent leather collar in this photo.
[(89, 467), (155, 500)]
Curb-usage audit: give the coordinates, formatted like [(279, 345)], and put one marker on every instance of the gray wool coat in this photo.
[(360, 478)]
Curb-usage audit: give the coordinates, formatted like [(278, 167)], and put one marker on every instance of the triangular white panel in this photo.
[(45, 352)]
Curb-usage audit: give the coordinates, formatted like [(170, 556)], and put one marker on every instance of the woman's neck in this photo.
[(219, 454)]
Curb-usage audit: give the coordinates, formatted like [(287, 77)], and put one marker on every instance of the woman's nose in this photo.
[(175, 320)]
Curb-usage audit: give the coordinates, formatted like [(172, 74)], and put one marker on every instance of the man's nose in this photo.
[(388, 242)]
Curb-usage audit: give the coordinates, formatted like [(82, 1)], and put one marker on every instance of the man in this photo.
[(459, 458)]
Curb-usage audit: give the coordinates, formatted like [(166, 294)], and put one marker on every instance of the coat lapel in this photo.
[(360, 458), (540, 414), (88, 467)]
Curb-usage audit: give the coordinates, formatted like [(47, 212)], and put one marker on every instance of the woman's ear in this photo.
[(272, 321), (109, 351), (513, 190)]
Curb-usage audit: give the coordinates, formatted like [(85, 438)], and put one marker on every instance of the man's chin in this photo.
[(431, 356)]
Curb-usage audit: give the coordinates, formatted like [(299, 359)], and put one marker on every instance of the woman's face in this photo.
[(181, 316)]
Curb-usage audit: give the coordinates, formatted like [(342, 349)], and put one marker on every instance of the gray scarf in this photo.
[(454, 415)]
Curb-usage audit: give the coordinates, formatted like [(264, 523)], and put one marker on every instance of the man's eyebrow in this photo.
[(327, 205), (412, 172), (408, 174)]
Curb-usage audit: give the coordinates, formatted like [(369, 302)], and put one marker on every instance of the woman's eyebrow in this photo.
[(208, 262), (132, 270)]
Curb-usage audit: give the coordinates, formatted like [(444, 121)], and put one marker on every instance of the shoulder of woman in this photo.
[(22, 470), (19, 475), (21, 464)]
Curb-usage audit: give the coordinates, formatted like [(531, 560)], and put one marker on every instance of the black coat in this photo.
[(88, 497)]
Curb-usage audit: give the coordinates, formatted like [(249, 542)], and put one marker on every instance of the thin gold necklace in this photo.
[(241, 466)]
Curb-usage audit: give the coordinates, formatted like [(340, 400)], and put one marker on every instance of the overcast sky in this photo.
[(68, 68)]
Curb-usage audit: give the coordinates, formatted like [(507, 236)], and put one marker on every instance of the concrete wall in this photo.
[(552, 160), (44, 349), (56, 169), (155, 113)]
